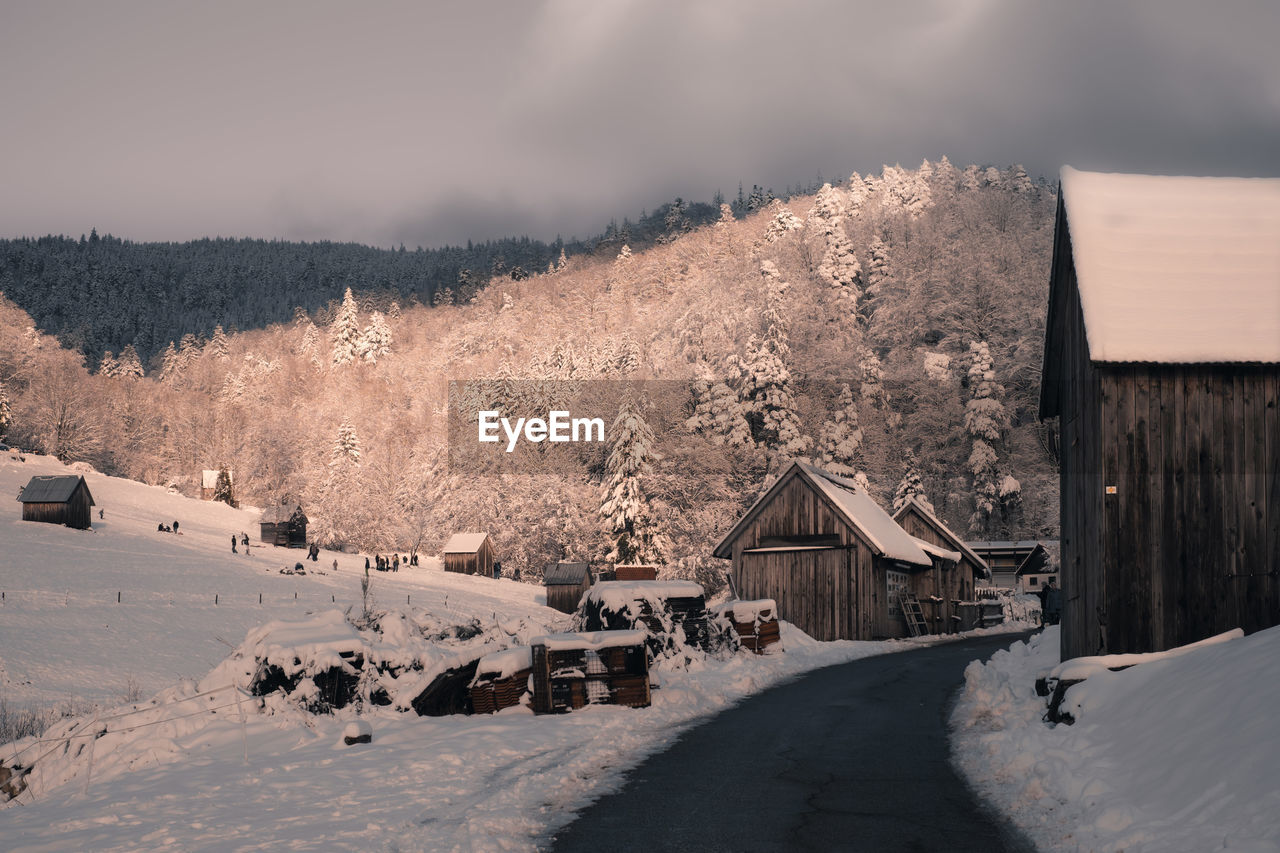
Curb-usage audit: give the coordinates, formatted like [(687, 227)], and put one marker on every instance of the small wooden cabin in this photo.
[(468, 554), (58, 500), (829, 555), (284, 525), (565, 584), (918, 520), (209, 485), (1002, 559), (1162, 368), (1040, 567)]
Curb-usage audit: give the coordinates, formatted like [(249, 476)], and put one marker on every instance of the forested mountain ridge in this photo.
[(889, 328)]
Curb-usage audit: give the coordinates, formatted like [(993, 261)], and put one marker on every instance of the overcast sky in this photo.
[(431, 123)]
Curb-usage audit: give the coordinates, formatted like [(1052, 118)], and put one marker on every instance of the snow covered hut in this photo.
[(956, 578), (468, 554), (1040, 567), (565, 583), (58, 500), (833, 560), (284, 525), (209, 484), (1162, 365)]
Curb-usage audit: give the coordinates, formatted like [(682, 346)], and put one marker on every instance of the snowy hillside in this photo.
[(194, 768), (1177, 754)]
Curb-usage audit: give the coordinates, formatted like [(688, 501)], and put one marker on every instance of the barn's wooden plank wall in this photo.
[(1188, 545)]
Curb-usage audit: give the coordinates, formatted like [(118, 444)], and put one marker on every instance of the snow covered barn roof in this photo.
[(464, 543), (914, 505), (565, 574), (49, 489), (209, 479), (282, 514), (852, 503), (1176, 270)]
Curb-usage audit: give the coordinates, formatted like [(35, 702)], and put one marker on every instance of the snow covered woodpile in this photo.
[(829, 555), (284, 525), (755, 623), (565, 584), (673, 613), (571, 671), (57, 500), (502, 680), (468, 554), (1162, 366)]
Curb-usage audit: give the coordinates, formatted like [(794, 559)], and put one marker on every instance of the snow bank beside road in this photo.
[(1177, 755)]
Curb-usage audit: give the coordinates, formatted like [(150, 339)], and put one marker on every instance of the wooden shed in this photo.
[(1162, 366), (833, 560), (284, 525), (565, 583), (468, 554), (918, 520), (1003, 558), (58, 500)]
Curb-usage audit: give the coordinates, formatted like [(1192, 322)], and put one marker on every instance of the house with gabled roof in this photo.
[(920, 521), (833, 560), (468, 554), (61, 499), (284, 525), (1162, 370), (565, 584)]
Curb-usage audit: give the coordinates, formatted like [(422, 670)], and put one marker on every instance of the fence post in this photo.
[(117, 596), (259, 598), (215, 599)]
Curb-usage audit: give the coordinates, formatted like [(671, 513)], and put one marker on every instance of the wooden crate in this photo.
[(569, 679), (491, 696)]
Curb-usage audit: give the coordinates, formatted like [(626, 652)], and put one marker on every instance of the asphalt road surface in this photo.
[(853, 757)]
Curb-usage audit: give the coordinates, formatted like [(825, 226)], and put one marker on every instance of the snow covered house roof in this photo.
[(282, 514), (50, 489), (464, 543), (1176, 270), (566, 574), (923, 512), (209, 479), (852, 503)]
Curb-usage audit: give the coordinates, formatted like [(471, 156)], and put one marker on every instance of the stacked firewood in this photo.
[(755, 623)]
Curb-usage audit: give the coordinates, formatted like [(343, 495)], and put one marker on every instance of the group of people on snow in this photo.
[(161, 527)]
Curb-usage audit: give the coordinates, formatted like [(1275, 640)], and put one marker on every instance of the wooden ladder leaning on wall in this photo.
[(914, 615)]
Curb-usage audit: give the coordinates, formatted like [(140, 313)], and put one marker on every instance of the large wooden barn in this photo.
[(58, 500), (468, 554), (833, 560), (1162, 364), (284, 525)]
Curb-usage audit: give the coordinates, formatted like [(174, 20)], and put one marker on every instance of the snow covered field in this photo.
[(1177, 755), (195, 770)]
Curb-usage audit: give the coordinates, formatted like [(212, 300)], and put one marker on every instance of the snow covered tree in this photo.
[(188, 352), (784, 222), (169, 364), (6, 413), (827, 212), (310, 345), (911, 486), (629, 521), (562, 262), (985, 420), (765, 380), (718, 414), (346, 448), (376, 340), (841, 437), (109, 365), (345, 331), (222, 487), (219, 346), (840, 269), (879, 268), (130, 366)]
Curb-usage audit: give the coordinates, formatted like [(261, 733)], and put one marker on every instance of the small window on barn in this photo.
[(1035, 581)]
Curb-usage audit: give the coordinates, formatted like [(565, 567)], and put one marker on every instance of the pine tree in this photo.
[(629, 521), (188, 352), (879, 268), (109, 365), (784, 222), (169, 364), (130, 366), (841, 437), (985, 421), (346, 448), (6, 413), (219, 346), (376, 340), (562, 262), (911, 486), (840, 268), (765, 379), (345, 331), (222, 487), (718, 414)]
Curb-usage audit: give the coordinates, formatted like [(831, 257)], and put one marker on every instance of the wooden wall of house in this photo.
[(829, 593), (481, 562), (565, 597), (74, 513), (952, 582), (1191, 539)]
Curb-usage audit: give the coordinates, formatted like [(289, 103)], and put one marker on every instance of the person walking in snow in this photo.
[(366, 565), (233, 544), (175, 526), (395, 562)]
